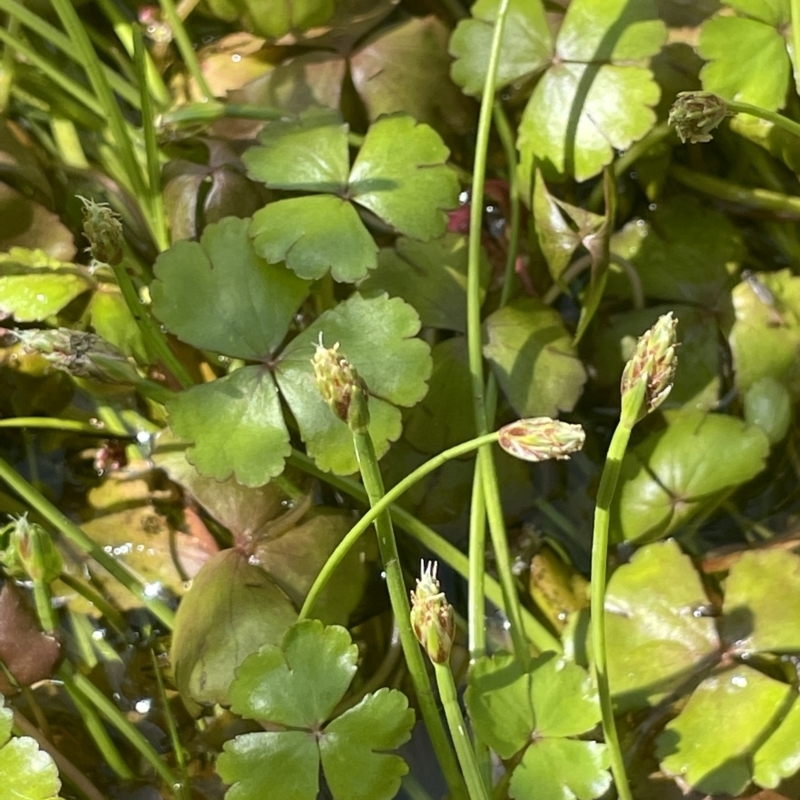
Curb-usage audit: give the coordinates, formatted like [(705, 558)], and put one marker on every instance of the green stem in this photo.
[(155, 339), (758, 199), (174, 734), (185, 48), (399, 598), (65, 425), (81, 540), (795, 16), (378, 507), (770, 116), (605, 495), (475, 346), (458, 732), (432, 541)]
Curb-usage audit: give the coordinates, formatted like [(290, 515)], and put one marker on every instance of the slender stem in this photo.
[(458, 732), (605, 495), (155, 339), (185, 48), (432, 541), (790, 126), (795, 17), (81, 540), (476, 605), (401, 608), (66, 425), (378, 506)]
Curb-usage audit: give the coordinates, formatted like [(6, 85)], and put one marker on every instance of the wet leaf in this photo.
[(299, 684), (656, 636), (314, 235), (533, 357), (682, 471), (27, 224), (768, 404), (239, 305), (762, 603), (711, 743), (395, 70), (747, 56), (431, 276), (235, 427), (779, 757), (35, 286), (26, 772), (377, 336), (232, 596)]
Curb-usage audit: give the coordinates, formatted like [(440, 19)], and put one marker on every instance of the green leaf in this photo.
[(275, 18), (235, 427), (682, 471), (314, 235), (525, 48), (598, 94), (286, 762), (532, 355), (112, 319), (308, 154), (655, 638), (376, 336), (362, 735), (401, 175), (779, 757), (231, 595), (34, 286), (26, 772), (748, 60), (711, 743), (561, 769), (431, 276), (757, 618), (299, 683), (238, 304)]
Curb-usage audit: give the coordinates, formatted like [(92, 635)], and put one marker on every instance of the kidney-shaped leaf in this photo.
[(362, 735), (235, 426), (762, 603), (656, 636), (533, 357), (376, 336), (218, 294), (299, 683), (688, 468), (401, 175)]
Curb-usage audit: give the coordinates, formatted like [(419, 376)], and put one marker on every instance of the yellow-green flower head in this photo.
[(541, 438), (695, 114), (432, 616), (340, 386), (103, 228)]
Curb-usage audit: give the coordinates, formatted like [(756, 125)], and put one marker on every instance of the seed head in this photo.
[(432, 616), (541, 438), (341, 386), (103, 228), (695, 114)]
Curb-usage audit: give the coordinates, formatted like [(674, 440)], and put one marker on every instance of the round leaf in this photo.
[(779, 757), (757, 617), (299, 683), (561, 769), (362, 735), (401, 175), (26, 772), (710, 744), (686, 469), (314, 235), (286, 762), (238, 304), (656, 638), (308, 154), (235, 425), (533, 357)]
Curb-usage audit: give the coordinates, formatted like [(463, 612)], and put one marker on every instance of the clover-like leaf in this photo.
[(510, 708), (533, 357), (235, 427), (313, 235), (757, 618), (298, 685), (401, 175), (376, 336), (711, 743), (239, 305), (686, 469), (596, 93), (747, 56), (431, 276), (362, 735), (26, 772), (562, 769), (35, 286), (656, 637)]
